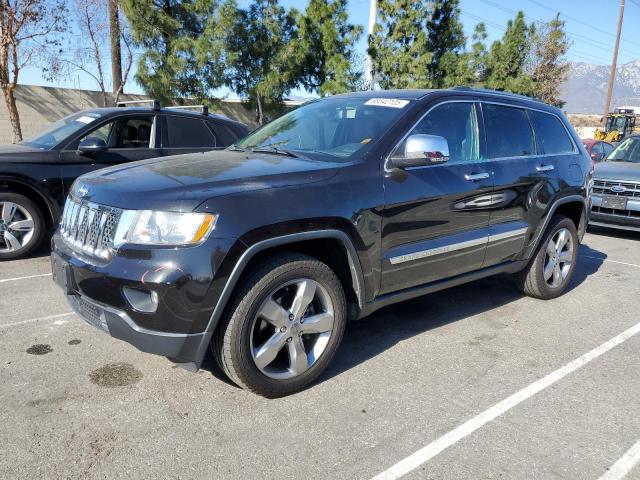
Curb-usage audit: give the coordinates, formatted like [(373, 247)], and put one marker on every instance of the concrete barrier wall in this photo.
[(39, 106)]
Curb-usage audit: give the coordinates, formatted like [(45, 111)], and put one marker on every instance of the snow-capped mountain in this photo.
[(585, 90)]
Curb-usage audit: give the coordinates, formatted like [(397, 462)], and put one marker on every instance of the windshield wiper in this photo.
[(275, 150)]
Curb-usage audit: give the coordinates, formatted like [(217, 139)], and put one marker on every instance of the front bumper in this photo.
[(628, 219), (182, 348), (184, 281)]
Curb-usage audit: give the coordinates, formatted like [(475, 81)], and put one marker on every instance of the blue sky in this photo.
[(591, 26)]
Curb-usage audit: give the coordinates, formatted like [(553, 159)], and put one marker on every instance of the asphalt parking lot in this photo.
[(474, 382)]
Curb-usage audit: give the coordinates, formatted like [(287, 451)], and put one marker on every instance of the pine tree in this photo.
[(262, 60), (176, 36), (446, 42), (325, 47), (508, 59), (399, 45), (549, 67)]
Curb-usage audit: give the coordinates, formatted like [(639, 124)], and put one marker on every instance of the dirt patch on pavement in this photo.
[(116, 375), (39, 349)]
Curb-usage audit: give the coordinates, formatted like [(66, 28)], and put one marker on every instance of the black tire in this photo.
[(232, 341), (531, 281), (38, 226)]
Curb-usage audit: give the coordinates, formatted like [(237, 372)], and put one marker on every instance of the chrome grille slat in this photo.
[(89, 228)]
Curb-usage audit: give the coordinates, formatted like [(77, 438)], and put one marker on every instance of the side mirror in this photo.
[(421, 150), (92, 144)]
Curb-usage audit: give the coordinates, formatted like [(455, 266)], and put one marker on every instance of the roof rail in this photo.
[(489, 90), (204, 110), (155, 103)]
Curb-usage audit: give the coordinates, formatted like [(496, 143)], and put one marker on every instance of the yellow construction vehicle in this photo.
[(620, 124)]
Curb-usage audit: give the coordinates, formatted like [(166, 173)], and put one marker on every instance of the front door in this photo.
[(435, 221), (128, 138)]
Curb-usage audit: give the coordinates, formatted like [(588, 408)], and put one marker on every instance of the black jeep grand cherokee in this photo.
[(334, 210)]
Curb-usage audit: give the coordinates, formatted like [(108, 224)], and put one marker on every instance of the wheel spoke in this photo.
[(548, 270), (274, 314), (563, 238), (21, 226), (13, 242), (551, 248), (320, 323), (8, 211), (566, 256), (557, 275), (269, 350), (304, 296), (297, 356)]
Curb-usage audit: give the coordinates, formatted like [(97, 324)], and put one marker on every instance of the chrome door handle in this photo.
[(474, 177), (544, 168)]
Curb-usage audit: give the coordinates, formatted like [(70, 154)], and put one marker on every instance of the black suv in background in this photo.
[(36, 174), (334, 210)]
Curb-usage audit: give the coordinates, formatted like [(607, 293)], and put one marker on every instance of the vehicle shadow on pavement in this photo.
[(371, 336)]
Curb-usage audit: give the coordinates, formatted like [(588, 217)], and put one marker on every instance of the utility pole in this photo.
[(116, 56), (614, 64), (373, 15)]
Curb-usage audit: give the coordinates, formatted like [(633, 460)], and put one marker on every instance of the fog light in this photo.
[(141, 301)]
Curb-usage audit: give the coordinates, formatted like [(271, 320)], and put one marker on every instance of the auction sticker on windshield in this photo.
[(387, 102), (85, 119)]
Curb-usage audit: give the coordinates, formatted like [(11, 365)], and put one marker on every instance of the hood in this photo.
[(182, 182), (618, 171), (16, 154)]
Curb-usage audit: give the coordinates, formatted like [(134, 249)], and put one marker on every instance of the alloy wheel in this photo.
[(292, 329), (16, 227), (558, 258)]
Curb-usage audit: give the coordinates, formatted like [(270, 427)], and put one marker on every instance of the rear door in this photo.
[(435, 222), (188, 134), (524, 146), (128, 138)]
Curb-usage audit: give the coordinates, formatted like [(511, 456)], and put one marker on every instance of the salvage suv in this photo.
[(330, 212)]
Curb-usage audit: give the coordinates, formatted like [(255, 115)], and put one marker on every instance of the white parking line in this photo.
[(31, 320), (612, 261), (24, 278), (426, 453), (623, 466)]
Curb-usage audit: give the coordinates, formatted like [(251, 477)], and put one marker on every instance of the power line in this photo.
[(578, 53), (573, 19), (572, 35)]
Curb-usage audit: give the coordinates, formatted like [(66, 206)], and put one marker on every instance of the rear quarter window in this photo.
[(551, 135), (508, 131), (185, 132)]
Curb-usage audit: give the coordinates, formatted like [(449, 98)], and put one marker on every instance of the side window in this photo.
[(458, 124), (608, 148), (508, 131), (185, 132), (127, 132), (224, 135), (551, 135), (598, 148)]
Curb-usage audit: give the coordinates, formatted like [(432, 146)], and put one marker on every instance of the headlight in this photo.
[(148, 227)]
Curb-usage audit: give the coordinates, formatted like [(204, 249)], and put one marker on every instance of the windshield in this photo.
[(617, 123), (60, 130), (627, 151), (334, 126)]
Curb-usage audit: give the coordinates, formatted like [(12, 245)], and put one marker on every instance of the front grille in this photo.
[(617, 213), (629, 189), (89, 228)]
